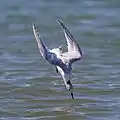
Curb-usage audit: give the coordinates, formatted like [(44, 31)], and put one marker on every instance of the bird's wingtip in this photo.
[(33, 24), (59, 21)]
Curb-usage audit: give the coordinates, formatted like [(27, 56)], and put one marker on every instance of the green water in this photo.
[(31, 89)]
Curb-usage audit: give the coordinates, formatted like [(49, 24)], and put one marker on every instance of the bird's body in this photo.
[(61, 60)]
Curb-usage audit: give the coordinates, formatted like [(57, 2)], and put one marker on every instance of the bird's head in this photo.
[(61, 48), (67, 78), (70, 88)]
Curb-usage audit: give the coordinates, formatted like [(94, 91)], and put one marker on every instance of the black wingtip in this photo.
[(60, 22), (33, 24), (62, 25)]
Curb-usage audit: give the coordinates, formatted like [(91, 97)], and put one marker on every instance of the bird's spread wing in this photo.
[(74, 52), (42, 48), (45, 52)]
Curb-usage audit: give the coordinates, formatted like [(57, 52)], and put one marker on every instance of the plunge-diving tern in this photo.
[(61, 60)]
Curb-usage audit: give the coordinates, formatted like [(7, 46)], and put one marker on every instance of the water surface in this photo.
[(30, 88)]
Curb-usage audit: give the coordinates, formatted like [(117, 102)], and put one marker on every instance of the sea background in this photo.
[(30, 88)]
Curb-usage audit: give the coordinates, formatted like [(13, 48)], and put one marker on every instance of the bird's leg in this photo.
[(56, 69)]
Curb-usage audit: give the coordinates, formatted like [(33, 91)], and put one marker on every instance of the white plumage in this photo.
[(61, 60)]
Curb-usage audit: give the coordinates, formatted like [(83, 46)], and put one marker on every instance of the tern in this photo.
[(61, 60)]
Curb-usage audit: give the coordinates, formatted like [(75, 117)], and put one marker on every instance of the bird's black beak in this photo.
[(72, 95), (56, 69), (70, 88)]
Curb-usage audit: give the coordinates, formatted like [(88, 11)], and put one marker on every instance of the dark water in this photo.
[(30, 87)]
